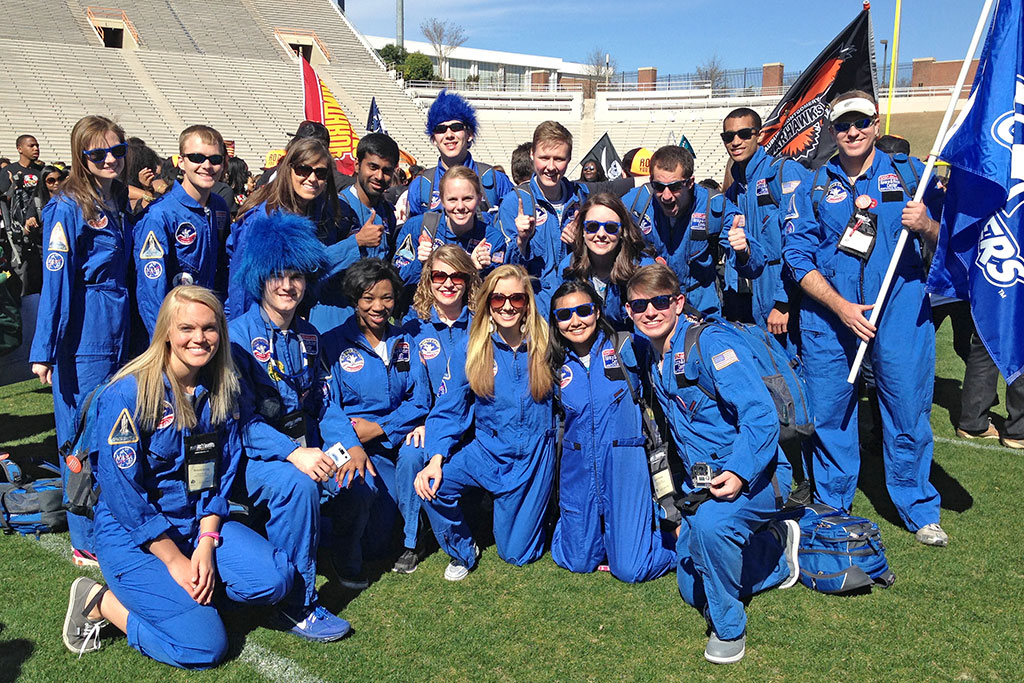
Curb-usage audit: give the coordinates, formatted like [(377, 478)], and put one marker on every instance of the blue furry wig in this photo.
[(449, 106), (277, 242)]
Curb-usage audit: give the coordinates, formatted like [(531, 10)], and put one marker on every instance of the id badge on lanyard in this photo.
[(202, 453), (858, 238), (293, 425)]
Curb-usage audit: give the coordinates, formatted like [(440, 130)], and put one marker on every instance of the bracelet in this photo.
[(211, 534)]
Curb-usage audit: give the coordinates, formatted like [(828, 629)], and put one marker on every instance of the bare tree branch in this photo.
[(713, 71), (597, 67), (444, 37)]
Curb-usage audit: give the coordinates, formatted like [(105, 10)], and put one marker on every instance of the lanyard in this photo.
[(280, 370)]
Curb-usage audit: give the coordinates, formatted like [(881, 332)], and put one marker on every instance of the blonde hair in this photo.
[(150, 367), (206, 135), (461, 173), (81, 186), (456, 257), (551, 133), (480, 353)]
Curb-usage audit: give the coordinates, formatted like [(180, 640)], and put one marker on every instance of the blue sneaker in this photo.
[(318, 624)]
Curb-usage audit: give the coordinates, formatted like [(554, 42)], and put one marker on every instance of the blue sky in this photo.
[(676, 36)]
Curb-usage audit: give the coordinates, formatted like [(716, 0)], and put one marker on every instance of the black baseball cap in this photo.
[(314, 129)]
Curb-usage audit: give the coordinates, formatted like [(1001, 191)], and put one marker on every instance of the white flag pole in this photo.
[(923, 183)]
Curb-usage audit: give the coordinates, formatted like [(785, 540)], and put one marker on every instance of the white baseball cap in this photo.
[(857, 105)]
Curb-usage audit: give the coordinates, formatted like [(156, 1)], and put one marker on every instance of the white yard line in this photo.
[(975, 444)]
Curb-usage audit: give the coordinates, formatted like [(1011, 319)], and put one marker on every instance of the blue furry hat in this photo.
[(275, 243), (449, 106)]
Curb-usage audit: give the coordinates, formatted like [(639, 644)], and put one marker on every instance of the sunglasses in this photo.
[(660, 303), (99, 155), (442, 128), (564, 315), (744, 133), (304, 170), (672, 187), (197, 158), (439, 277), (52, 181), (518, 300), (859, 124), (610, 227)]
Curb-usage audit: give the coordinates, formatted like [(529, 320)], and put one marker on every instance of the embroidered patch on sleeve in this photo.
[(724, 359), (123, 431)]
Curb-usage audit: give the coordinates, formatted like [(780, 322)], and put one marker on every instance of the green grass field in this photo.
[(953, 614)]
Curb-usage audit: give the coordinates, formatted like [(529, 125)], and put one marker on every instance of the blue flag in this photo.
[(374, 124), (979, 254)]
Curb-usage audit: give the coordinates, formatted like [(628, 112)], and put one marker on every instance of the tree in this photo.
[(597, 70), (418, 67), (444, 37), (393, 56), (713, 72)]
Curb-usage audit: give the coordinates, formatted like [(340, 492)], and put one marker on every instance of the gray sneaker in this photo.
[(932, 534), (725, 651), (457, 571), (407, 563), (82, 634)]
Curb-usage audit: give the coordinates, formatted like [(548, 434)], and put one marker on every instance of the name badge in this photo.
[(202, 453), (859, 236)]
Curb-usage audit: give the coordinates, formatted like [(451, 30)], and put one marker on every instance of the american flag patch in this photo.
[(724, 359)]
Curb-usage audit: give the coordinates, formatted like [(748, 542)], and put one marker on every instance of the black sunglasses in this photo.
[(518, 300), (660, 303), (197, 158), (442, 128), (303, 171), (672, 187), (610, 227), (744, 133), (582, 311), (859, 124), (99, 155), (438, 277)]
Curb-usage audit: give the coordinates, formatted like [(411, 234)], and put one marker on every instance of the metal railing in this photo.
[(283, 33), (111, 14), (490, 85)]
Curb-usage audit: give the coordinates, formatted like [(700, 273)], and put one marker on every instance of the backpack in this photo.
[(32, 508), (80, 457), (780, 370), (839, 553)]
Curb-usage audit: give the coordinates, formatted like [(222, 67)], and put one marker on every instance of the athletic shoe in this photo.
[(932, 534), (317, 624), (787, 531), (346, 577), (604, 568), (83, 558), (456, 570), (82, 634), (725, 651), (1016, 444), (407, 563), (800, 496), (989, 433)]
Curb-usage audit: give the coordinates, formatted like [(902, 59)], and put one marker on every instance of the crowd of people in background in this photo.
[(362, 363)]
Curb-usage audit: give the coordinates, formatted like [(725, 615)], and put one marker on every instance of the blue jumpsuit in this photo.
[(511, 455), (82, 323), (384, 392), (692, 252), (144, 494), (385, 216), (436, 343), (723, 554), (496, 185), (603, 473), (902, 352), (284, 375), (409, 237), (178, 241)]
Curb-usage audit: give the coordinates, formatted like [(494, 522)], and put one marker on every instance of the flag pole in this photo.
[(923, 183), (892, 67)]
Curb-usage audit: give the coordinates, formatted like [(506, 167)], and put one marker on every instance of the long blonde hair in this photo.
[(456, 257), (480, 354), (150, 367), (81, 185)]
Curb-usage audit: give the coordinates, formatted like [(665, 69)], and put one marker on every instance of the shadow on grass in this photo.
[(947, 395), (13, 653), (18, 427)]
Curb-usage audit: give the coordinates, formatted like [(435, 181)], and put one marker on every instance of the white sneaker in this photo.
[(791, 546), (456, 570), (932, 534)]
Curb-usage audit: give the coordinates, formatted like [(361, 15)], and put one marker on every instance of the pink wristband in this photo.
[(211, 534)]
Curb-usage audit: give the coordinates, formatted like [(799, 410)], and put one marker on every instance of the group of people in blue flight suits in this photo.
[(338, 376)]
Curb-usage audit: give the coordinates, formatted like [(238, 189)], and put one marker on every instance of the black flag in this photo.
[(796, 128), (603, 152)]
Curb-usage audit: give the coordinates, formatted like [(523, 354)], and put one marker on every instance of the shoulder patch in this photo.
[(724, 359), (98, 223), (836, 193), (151, 248), (402, 354), (889, 182), (58, 239), (498, 256), (153, 270), (761, 187), (123, 431), (789, 187), (792, 213), (609, 359), (54, 261), (406, 252), (124, 457), (565, 377), (167, 417), (185, 234)]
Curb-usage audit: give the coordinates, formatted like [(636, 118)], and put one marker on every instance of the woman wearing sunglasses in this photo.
[(82, 326), (460, 222), (604, 487), (503, 391), (304, 186), (606, 252)]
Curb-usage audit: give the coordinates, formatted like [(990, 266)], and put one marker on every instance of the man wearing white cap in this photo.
[(838, 239)]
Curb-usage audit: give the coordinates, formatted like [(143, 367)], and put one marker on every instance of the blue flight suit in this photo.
[(495, 183), (178, 241), (902, 353), (757, 193), (603, 473), (385, 216), (143, 495), (511, 456), (384, 392), (436, 343), (283, 374), (692, 252), (613, 295), (83, 318), (723, 552), (407, 242)]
